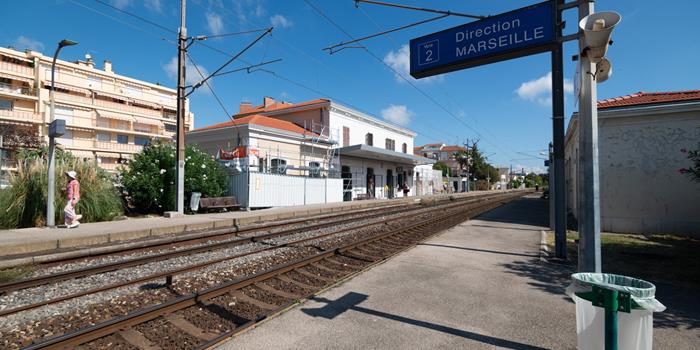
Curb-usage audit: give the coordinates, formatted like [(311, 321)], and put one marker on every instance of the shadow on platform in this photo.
[(351, 301), (479, 250), (529, 210)]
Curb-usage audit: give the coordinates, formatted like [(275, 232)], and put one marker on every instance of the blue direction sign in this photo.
[(517, 33)]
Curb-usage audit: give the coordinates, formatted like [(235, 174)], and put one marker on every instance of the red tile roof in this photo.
[(453, 148), (645, 98), (259, 120), (279, 105)]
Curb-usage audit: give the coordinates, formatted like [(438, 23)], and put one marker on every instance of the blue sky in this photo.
[(503, 105)]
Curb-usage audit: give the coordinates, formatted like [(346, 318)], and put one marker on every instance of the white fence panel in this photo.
[(256, 190)]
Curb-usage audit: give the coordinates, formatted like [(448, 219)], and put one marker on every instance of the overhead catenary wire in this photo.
[(215, 49), (221, 103), (402, 76), (396, 44), (407, 7)]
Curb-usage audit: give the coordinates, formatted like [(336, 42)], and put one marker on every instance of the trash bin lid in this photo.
[(642, 292)]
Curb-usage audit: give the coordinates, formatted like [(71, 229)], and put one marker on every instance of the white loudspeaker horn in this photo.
[(603, 70), (597, 29)]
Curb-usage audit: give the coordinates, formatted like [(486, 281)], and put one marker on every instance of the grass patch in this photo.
[(663, 258), (15, 273)]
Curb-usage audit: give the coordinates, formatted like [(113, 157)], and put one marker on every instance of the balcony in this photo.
[(16, 68), (108, 104), (19, 90), (21, 116), (119, 147)]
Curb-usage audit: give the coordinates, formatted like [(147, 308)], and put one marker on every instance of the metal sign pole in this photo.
[(558, 138), (588, 186)]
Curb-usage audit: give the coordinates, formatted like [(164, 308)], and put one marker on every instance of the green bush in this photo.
[(148, 181), (23, 204)]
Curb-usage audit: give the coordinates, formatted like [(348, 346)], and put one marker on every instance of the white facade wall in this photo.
[(641, 190), (358, 168), (361, 124)]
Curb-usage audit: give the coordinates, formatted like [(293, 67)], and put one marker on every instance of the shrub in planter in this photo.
[(148, 181)]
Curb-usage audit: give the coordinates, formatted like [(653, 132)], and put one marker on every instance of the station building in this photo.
[(370, 158), (109, 117), (641, 138)]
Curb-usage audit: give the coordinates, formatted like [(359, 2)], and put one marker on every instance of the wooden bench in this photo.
[(362, 196), (207, 204)]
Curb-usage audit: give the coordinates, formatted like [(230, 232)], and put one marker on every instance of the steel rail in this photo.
[(174, 272), (113, 325)]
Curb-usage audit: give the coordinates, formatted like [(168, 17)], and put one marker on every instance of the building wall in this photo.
[(359, 129), (358, 169), (641, 190)]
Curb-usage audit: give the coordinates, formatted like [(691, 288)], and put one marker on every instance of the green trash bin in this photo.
[(613, 311)]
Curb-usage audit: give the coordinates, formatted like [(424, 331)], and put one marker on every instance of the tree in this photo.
[(693, 171), (148, 181), (532, 180), (446, 171)]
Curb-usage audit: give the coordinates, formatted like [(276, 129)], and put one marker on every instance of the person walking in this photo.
[(73, 194)]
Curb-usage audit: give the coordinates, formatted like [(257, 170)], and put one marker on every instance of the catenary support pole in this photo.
[(181, 108), (588, 186), (558, 138)]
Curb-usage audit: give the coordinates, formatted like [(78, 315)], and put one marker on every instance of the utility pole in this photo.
[(558, 138), (181, 108), (588, 186)]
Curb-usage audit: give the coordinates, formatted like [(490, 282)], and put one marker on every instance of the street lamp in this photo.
[(55, 129)]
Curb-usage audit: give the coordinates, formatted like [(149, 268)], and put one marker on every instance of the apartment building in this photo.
[(443, 153), (109, 117)]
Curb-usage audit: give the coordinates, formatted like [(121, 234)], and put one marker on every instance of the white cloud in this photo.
[(397, 114), (153, 5), (215, 23), (121, 4), (280, 21), (246, 9), (191, 75), (540, 90), (400, 61), (23, 43)]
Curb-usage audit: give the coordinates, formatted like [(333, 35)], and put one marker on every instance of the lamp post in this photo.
[(54, 130)]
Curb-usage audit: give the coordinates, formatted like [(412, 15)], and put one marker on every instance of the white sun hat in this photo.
[(71, 174)]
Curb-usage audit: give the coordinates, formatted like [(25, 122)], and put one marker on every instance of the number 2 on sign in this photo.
[(429, 56)]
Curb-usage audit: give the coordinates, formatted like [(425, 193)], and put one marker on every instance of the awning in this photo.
[(81, 154), (115, 116), (110, 95), (47, 83), (107, 155), (370, 152), (148, 121), (29, 81)]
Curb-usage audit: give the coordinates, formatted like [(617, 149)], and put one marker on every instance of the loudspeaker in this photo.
[(597, 29), (603, 70)]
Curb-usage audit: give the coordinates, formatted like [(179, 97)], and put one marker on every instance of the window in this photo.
[(140, 127), (170, 127), (141, 141), (314, 169), (94, 82), (65, 114), (390, 144), (369, 139), (278, 166), (47, 73), (346, 136), (404, 148), (104, 137), (123, 139), (6, 104), (66, 139)]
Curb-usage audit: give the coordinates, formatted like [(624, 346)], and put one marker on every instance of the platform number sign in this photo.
[(429, 52), (525, 31)]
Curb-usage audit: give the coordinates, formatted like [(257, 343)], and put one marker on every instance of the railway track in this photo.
[(189, 318)]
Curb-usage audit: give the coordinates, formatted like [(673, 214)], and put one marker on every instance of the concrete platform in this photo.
[(468, 288), (479, 285), (20, 246)]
